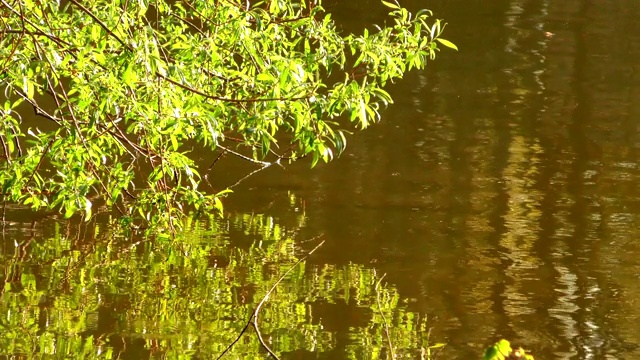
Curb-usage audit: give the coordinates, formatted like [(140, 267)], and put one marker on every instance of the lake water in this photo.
[(499, 195)]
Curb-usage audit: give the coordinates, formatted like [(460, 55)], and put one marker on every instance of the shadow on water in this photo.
[(499, 195)]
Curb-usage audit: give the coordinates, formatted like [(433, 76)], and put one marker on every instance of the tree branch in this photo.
[(208, 96), (102, 25), (254, 315), (386, 325)]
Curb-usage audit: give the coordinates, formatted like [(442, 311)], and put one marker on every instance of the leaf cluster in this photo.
[(127, 95)]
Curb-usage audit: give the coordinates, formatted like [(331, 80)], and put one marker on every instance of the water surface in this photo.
[(499, 195)]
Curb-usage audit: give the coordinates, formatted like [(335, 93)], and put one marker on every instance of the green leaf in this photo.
[(129, 76), (499, 351), (100, 58), (504, 346), (391, 5), (156, 175), (363, 114), (69, 210), (264, 77), (491, 354), (217, 204), (447, 43), (174, 142), (28, 88)]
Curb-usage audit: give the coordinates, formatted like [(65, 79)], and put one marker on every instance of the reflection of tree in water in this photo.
[(522, 225), (98, 294), (564, 88), (522, 219)]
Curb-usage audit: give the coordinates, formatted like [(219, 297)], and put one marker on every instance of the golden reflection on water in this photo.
[(522, 223), (527, 149)]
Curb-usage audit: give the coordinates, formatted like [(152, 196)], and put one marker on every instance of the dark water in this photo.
[(499, 195)]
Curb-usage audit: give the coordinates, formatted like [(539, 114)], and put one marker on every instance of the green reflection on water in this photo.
[(92, 293)]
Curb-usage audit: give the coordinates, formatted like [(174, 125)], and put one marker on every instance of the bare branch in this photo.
[(386, 325), (5, 148), (253, 319), (263, 163), (44, 154)]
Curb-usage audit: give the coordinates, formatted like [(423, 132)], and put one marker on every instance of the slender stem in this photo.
[(5, 148), (386, 325), (102, 25), (208, 96), (253, 319), (263, 163)]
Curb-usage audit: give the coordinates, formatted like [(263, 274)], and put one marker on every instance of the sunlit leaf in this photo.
[(87, 210), (390, 5), (129, 76), (69, 210), (447, 43)]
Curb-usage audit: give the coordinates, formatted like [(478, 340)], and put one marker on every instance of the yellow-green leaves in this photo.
[(144, 90)]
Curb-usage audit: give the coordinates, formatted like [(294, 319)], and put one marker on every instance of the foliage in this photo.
[(127, 95), (502, 351), (102, 295)]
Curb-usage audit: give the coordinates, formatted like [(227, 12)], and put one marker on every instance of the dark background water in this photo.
[(499, 194)]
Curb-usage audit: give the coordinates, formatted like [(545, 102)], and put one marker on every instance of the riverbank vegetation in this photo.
[(131, 104)]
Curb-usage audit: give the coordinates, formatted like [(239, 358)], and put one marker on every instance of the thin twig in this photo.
[(37, 32), (263, 163), (6, 149), (206, 174), (13, 51), (248, 176), (102, 25), (246, 326), (386, 326), (192, 25), (263, 167), (200, 16), (24, 19), (266, 296), (215, 161), (36, 108), (209, 96), (253, 319), (42, 157), (123, 138)]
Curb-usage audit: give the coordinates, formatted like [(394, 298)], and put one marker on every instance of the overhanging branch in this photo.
[(214, 97)]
